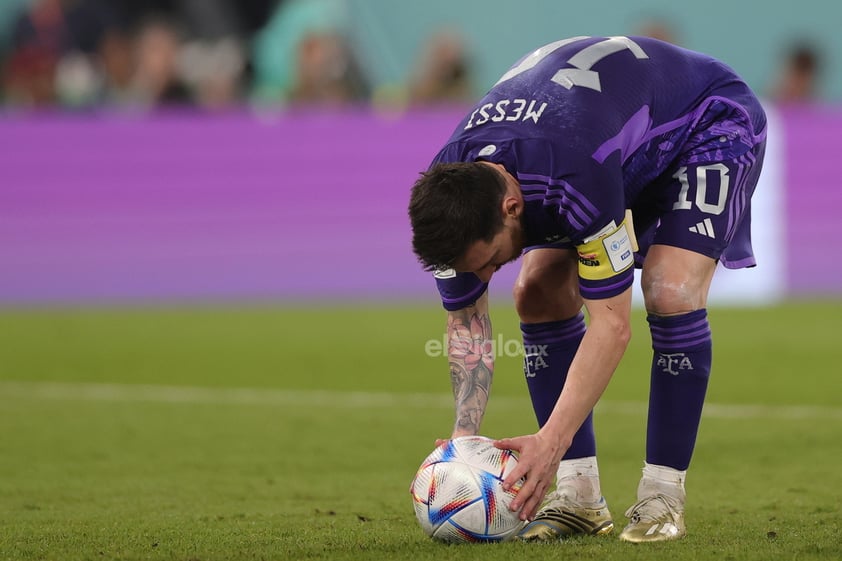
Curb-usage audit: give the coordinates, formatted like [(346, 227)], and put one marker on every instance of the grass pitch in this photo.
[(293, 433)]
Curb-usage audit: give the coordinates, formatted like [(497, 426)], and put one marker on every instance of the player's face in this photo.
[(485, 258)]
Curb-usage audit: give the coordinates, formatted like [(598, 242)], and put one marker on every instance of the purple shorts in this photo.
[(703, 202)]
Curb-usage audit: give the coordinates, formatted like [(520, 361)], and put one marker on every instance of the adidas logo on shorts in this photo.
[(705, 228)]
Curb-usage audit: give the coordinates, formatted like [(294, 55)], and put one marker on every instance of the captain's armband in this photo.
[(608, 253)]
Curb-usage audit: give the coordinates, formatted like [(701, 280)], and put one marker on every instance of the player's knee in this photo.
[(538, 301), (526, 294), (666, 295)]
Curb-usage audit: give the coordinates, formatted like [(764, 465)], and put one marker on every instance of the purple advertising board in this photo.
[(813, 199), (291, 206)]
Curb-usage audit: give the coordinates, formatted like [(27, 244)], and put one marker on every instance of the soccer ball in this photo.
[(458, 492)]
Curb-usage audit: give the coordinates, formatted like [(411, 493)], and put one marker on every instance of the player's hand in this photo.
[(538, 457)]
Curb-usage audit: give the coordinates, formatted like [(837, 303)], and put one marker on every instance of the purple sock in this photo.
[(680, 371), (548, 351)]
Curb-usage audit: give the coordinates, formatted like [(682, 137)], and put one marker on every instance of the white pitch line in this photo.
[(10, 390)]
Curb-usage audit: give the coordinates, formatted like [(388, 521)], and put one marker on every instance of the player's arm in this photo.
[(599, 353), (605, 278), (471, 359)]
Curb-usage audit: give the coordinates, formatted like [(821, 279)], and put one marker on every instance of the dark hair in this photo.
[(805, 58), (453, 206)]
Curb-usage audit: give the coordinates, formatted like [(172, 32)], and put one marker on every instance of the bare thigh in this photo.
[(547, 287)]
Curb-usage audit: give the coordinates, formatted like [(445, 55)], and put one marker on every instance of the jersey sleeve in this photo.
[(605, 241), (458, 290), (587, 201)]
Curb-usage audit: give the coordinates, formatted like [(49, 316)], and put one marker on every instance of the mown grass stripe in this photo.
[(353, 399)]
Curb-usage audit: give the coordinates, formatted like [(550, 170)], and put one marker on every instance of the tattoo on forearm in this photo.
[(471, 365)]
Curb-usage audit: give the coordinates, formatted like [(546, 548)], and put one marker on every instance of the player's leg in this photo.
[(548, 303), (705, 218), (675, 284), (547, 300)]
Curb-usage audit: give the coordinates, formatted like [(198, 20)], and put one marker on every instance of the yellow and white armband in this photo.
[(609, 252)]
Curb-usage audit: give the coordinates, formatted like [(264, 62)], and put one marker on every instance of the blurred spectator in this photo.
[(303, 54), (658, 28), (327, 72), (38, 39), (156, 79), (214, 70), (443, 72), (798, 77), (136, 52), (116, 57), (52, 52)]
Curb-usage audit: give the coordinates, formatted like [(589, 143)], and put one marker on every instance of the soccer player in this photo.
[(590, 156)]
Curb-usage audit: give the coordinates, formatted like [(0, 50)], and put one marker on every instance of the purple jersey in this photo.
[(589, 126)]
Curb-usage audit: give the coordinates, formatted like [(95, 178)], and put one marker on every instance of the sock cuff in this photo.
[(685, 332), (549, 332), (677, 320), (578, 467), (664, 474), (581, 475)]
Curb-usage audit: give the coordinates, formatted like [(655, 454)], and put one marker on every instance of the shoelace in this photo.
[(562, 494), (566, 495), (652, 508)]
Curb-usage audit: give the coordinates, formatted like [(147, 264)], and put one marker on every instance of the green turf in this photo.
[(293, 433)]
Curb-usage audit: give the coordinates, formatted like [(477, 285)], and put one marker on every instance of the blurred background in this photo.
[(215, 340), (235, 150)]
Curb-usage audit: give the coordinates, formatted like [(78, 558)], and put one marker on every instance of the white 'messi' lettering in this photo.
[(507, 110)]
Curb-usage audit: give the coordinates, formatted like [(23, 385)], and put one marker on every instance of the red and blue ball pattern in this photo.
[(458, 495)]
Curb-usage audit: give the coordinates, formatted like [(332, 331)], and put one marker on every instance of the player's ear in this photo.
[(512, 206)]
